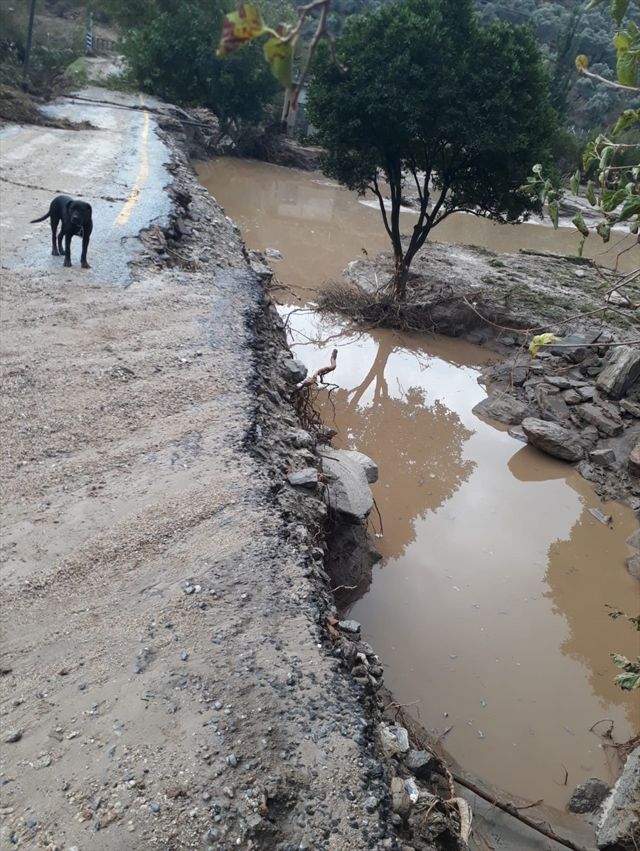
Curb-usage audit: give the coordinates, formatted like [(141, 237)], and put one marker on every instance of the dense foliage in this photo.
[(430, 93)]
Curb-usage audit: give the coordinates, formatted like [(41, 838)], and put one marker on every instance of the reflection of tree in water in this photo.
[(418, 447), (579, 592)]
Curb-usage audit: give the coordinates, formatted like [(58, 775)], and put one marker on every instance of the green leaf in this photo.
[(631, 207), (604, 231), (628, 682), (591, 194), (618, 10), (279, 55), (575, 182), (579, 222), (612, 198), (605, 156), (627, 119), (554, 212), (627, 67), (621, 661)]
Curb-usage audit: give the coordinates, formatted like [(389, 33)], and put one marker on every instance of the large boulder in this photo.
[(502, 407), (347, 482), (620, 823), (553, 439), (621, 372)]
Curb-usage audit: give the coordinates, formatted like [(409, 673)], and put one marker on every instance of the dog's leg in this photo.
[(55, 250), (86, 233), (67, 248)]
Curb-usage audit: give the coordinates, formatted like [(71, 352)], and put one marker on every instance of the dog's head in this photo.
[(76, 219)]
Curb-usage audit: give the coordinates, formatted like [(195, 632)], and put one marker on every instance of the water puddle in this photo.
[(488, 608)]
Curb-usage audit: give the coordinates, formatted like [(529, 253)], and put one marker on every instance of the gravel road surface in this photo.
[(165, 678)]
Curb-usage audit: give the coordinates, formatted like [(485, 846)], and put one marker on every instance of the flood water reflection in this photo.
[(488, 608)]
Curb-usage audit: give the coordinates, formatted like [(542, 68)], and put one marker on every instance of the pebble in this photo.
[(155, 807), (371, 804), (184, 655), (232, 760), (13, 736), (228, 791), (82, 686)]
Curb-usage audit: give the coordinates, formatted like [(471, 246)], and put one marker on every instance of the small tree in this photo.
[(431, 96), (169, 47)]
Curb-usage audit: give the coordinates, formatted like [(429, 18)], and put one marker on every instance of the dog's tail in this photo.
[(42, 218)]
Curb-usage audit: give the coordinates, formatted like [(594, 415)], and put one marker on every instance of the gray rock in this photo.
[(633, 462), (603, 421), (12, 736), (572, 397), (634, 540), (260, 268), (603, 457), (400, 800), (502, 407), (621, 371), (517, 434), (586, 393), (552, 405), (371, 804), (349, 626), (620, 823), (368, 465), (394, 739), (273, 254), (349, 491), (574, 347), (420, 764), (631, 408), (300, 438), (519, 374), (295, 370), (559, 381), (307, 478), (587, 797), (155, 807), (553, 439)]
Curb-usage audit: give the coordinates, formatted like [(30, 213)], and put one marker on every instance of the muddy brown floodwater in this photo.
[(488, 608)]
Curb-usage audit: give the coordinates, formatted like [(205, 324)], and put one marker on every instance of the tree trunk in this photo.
[(399, 287)]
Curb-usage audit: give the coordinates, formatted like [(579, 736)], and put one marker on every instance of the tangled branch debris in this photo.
[(305, 395)]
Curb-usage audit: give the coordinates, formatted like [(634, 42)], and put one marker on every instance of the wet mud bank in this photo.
[(579, 398)]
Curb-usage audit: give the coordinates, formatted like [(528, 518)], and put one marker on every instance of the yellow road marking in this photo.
[(143, 173)]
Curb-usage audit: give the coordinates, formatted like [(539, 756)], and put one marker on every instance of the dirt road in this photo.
[(165, 682)]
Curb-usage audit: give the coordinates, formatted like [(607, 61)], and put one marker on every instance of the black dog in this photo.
[(75, 219)]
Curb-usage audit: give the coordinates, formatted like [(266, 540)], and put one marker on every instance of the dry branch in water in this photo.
[(317, 376), (305, 394)]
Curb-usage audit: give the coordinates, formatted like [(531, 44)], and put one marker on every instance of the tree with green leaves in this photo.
[(432, 97), (170, 50), (610, 162)]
